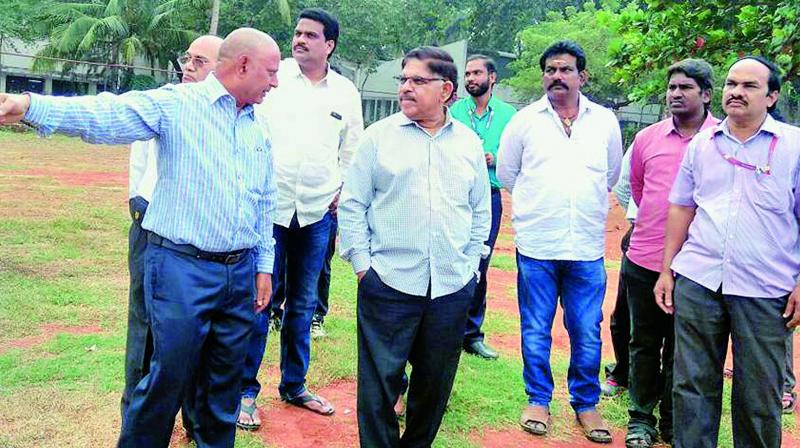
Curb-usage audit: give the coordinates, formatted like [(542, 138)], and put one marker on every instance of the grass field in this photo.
[(63, 305)]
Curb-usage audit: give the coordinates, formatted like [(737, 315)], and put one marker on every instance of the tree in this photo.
[(115, 31), (593, 30), (718, 31)]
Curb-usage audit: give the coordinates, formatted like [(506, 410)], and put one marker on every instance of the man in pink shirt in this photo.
[(656, 156)]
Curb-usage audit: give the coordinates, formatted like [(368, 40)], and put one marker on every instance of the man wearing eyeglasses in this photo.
[(315, 121), (733, 244), (487, 116), (199, 60), (414, 217)]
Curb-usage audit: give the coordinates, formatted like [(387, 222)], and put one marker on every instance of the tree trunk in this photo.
[(212, 29)]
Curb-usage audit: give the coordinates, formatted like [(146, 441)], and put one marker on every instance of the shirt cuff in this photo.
[(265, 263), (38, 110), (682, 201), (361, 262)]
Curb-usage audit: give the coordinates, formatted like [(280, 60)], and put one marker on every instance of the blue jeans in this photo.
[(200, 314), (477, 310), (324, 286), (580, 285), (299, 255)]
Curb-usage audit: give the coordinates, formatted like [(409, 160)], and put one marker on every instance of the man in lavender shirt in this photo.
[(733, 241)]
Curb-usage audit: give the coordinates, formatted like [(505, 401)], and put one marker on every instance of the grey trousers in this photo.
[(703, 321)]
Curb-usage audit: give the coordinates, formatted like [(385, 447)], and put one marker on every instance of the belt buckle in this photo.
[(231, 258)]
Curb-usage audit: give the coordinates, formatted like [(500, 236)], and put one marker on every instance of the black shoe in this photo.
[(480, 349)]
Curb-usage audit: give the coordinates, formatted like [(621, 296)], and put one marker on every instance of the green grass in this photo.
[(63, 262)]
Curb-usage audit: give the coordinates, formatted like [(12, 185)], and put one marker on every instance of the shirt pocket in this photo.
[(771, 193)]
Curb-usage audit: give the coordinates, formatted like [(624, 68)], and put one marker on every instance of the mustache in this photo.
[(557, 83), (406, 98), (735, 98), (301, 46)]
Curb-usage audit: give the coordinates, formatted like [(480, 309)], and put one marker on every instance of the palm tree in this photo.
[(283, 9), (114, 30)]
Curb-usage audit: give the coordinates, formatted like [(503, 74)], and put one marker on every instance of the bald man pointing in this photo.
[(210, 249)]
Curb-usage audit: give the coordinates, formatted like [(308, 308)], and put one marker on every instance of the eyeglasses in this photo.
[(766, 169), (198, 61), (416, 80)]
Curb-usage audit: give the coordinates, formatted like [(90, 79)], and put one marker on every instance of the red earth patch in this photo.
[(80, 178), (47, 332)]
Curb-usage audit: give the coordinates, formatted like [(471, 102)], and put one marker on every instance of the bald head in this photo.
[(246, 41), (248, 65), (200, 58)]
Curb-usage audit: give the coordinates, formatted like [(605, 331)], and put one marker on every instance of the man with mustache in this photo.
[(314, 121), (733, 244), (414, 217), (487, 116), (199, 60), (559, 157), (207, 269), (656, 155)]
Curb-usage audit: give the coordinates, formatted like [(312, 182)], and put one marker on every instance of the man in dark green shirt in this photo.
[(487, 116)]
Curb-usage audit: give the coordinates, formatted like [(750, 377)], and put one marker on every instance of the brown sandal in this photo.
[(536, 420), (594, 428)]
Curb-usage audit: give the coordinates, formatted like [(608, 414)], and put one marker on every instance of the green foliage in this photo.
[(141, 82), (719, 31), (593, 29)]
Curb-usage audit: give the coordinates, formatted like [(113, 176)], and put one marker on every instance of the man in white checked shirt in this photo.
[(199, 60), (414, 216), (314, 121), (210, 251)]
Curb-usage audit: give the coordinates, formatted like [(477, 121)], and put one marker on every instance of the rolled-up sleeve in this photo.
[(357, 194)]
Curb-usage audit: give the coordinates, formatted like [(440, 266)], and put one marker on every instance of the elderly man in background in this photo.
[(207, 268), (414, 217), (197, 62)]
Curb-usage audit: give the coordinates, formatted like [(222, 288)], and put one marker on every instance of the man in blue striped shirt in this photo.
[(414, 216), (210, 246)]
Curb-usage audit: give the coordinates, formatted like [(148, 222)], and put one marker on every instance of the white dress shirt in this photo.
[(142, 169), (560, 183), (415, 207), (622, 190), (314, 131)]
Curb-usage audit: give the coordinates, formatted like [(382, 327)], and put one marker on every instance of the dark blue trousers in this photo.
[(201, 315), (395, 328), (139, 343), (477, 309), (299, 255)]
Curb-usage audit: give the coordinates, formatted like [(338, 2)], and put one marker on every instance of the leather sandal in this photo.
[(303, 400), (593, 426), (536, 420), (249, 409)]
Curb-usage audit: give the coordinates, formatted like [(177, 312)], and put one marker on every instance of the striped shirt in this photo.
[(215, 189), (416, 207), (745, 234)]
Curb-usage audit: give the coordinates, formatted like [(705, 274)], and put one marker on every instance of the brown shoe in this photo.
[(594, 428), (536, 419)]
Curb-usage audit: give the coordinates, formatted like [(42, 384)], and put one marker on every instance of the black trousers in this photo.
[(395, 328), (703, 321), (621, 324), (651, 354)]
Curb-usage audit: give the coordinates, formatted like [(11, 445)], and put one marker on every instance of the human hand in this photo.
[(263, 290), (663, 292), (13, 107)]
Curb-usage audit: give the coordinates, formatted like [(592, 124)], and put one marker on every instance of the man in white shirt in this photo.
[(197, 62), (314, 121), (559, 157)]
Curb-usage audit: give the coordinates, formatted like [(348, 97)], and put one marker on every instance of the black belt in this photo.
[(188, 249)]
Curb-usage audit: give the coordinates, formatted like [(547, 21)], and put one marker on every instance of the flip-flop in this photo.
[(536, 420), (252, 411), (596, 431), (788, 402), (307, 397)]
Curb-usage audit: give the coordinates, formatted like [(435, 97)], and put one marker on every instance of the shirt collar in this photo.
[(490, 105), (297, 73), (215, 90), (544, 105), (710, 121), (770, 126), (403, 120)]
